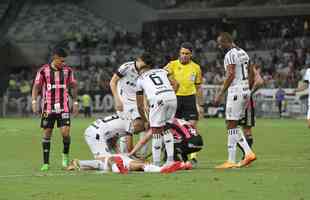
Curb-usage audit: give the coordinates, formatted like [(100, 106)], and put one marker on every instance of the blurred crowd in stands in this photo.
[(280, 46)]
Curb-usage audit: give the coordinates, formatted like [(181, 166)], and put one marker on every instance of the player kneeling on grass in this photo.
[(186, 141), (102, 135), (120, 163)]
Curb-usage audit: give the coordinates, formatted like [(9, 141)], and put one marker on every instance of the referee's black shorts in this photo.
[(249, 117), (187, 109)]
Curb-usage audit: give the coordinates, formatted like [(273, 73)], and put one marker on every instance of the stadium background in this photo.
[(100, 35)]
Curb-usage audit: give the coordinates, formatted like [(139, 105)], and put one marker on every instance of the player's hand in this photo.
[(119, 106), (75, 109), (217, 100)]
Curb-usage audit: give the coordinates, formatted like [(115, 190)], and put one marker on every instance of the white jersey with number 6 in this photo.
[(162, 100), (238, 91)]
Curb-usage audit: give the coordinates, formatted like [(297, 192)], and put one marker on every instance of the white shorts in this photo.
[(308, 114), (162, 112), (98, 147), (236, 104), (131, 110)]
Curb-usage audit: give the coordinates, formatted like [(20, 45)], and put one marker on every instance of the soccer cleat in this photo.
[(247, 160), (186, 166), (194, 162), (120, 165), (44, 167), (227, 165), (65, 160), (170, 168), (74, 165)]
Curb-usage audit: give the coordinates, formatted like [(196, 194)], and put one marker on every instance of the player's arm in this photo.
[(174, 83), (113, 86), (140, 105), (305, 83), (230, 75), (258, 80), (34, 96), (141, 142), (74, 93)]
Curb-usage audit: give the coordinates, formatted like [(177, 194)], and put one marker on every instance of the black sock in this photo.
[(46, 145), (249, 139), (66, 142), (243, 153)]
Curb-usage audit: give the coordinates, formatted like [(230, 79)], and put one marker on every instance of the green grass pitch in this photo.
[(282, 170)]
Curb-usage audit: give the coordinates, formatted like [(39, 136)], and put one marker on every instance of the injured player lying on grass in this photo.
[(120, 163)]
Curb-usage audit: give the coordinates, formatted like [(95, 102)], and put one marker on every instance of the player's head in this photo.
[(59, 55), (225, 41), (144, 61), (185, 54)]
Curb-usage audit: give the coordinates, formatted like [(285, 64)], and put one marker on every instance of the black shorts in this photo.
[(249, 117), (186, 108), (48, 120), (194, 144)]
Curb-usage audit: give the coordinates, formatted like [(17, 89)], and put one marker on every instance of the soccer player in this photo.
[(120, 163), (186, 140), (123, 87), (236, 64), (102, 134), (304, 86), (54, 81), (155, 85), (186, 75)]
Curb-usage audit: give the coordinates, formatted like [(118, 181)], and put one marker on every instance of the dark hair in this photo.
[(147, 58), (227, 37), (60, 52), (187, 45)]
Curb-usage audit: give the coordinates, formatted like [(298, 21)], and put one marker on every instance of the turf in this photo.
[(281, 171)]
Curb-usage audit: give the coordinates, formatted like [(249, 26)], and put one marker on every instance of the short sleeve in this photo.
[(307, 76), (198, 80), (139, 89), (72, 79), (39, 78), (169, 68), (123, 70)]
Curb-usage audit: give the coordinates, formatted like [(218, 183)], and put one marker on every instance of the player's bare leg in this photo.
[(139, 128), (65, 131), (46, 145)]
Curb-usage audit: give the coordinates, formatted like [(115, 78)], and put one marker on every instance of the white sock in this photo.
[(86, 164), (151, 168), (232, 144), (156, 148), (123, 145), (145, 147), (242, 142), (169, 145), (115, 168)]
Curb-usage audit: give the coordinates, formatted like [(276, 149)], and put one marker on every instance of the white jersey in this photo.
[(240, 58), (112, 126), (307, 79), (155, 85), (126, 86)]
